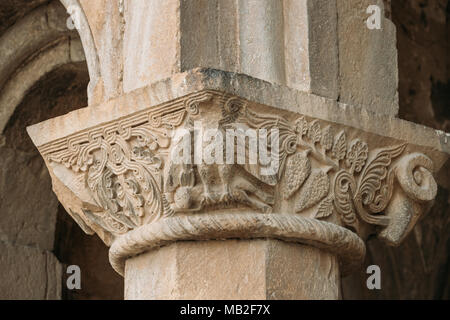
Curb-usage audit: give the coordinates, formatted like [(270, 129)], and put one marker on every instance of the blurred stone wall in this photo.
[(38, 240), (420, 267)]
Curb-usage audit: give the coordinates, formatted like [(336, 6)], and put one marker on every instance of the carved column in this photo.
[(286, 228)]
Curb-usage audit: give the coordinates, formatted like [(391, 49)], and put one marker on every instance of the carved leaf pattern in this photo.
[(107, 222), (340, 146), (130, 199), (357, 155), (301, 126), (325, 208), (315, 189), (348, 203), (314, 132), (374, 174), (298, 168), (287, 137), (327, 138), (344, 185), (106, 195), (231, 110), (122, 172)]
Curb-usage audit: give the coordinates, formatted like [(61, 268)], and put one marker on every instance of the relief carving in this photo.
[(360, 184), (129, 176)]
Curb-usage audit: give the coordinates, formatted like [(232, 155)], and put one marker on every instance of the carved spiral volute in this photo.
[(408, 203)]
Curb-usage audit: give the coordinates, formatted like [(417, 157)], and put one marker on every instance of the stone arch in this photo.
[(43, 73), (87, 40), (20, 83), (38, 43), (33, 47)]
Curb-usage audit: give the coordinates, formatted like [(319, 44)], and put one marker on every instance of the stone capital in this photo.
[(342, 174)]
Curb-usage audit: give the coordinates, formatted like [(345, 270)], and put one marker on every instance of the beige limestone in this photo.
[(349, 169), (307, 201), (151, 42), (244, 225), (30, 49), (28, 36), (261, 43), (105, 21), (63, 52), (28, 216), (29, 273), (311, 46), (299, 44), (233, 269), (95, 95), (368, 69)]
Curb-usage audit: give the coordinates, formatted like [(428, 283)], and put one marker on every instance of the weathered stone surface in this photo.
[(28, 223), (13, 10), (32, 48), (291, 228), (145, 62), (141, 200), (73, 247), (28, 212), (96, 87), (261, 47), (418, 268), (105, 21), (233, 269), (363, 168), (23, 80), (368, 70), (28, 215), (311, 46), (42, 74), (423, 31), (29, 273), (295, 43), (28, 36)]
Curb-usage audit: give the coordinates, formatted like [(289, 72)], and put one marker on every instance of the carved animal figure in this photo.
[(194, 187), (220, 186)]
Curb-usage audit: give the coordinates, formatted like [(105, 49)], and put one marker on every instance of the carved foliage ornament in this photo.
[(127, 168), (348, 177)]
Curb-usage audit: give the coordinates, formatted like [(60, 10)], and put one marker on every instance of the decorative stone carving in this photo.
[(132, 186), (288, 227)]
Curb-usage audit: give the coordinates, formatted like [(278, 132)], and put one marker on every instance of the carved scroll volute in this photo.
[(411, 199)]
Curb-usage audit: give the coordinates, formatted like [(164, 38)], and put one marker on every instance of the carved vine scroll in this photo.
[(127, 178)]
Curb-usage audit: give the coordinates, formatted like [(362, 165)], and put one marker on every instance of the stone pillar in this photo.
[(341, 166), (233, 269)]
